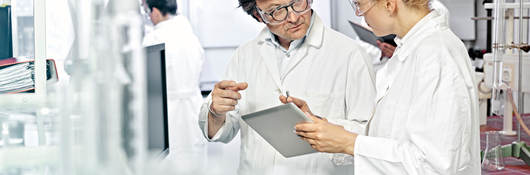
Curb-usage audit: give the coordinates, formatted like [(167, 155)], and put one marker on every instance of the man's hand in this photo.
[(298, 102), (225, 96), (326, 137)]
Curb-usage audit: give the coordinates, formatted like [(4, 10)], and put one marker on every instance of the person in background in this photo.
[(426, 112), (184, 60)]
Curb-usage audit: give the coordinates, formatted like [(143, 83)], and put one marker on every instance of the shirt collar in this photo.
[(313, 37), (273, 39)]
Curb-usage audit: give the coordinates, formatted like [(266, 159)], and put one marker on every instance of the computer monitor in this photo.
[(157, 112), (6, 42), (156, 107)]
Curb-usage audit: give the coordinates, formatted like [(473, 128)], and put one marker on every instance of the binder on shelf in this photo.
[(19, 77), (6, 41)]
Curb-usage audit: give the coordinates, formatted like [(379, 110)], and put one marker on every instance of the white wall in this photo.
[(481, 27), (217, 60), (461, 12), (341, 13)]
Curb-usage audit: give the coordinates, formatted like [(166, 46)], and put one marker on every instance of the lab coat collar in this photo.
[(313, 38), (316, 34), (405, 46), (165, 23), (431, 20)]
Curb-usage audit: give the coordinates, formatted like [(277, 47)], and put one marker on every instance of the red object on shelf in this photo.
[(8, 61)]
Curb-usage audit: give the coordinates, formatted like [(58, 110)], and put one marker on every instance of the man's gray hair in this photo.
[(249, 6)]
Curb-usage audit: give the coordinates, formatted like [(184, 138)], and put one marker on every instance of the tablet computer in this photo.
[(276, 126), (364, 34), (369, 37)]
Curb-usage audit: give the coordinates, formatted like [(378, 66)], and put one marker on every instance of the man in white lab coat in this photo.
[(298, 54), (184, 59)]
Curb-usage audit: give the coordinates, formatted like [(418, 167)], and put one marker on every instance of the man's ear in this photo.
[(156, 12), (257, 16)]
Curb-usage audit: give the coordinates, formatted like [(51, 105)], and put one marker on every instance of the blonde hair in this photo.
[(419, 4)]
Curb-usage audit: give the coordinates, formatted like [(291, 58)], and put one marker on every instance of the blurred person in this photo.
[(184, 60)]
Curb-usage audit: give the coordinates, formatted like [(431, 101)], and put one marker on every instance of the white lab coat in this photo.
[(426, 117), (184, 60), (440, 7), (329, 71), (374, 53)]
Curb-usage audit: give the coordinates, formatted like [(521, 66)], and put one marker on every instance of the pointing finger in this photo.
[(226, 84)]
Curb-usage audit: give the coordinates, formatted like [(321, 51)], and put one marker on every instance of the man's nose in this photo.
[(292, 17)]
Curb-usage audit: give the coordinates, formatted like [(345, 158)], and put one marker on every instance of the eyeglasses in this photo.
[(280, 14), (145, 12), (357, 7)]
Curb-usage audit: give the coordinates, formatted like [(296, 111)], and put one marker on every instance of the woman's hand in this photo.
[(322, 135), (387, 50), (326, 137)]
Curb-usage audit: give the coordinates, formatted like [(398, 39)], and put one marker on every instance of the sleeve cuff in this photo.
[(217, 135), (374, 147), (203, 121), (358, 145), (351, 126)]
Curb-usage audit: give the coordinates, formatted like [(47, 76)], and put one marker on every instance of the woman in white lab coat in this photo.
[(184, 60), (426, 115)]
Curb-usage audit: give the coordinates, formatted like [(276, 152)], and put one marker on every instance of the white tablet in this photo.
[(276, 126)]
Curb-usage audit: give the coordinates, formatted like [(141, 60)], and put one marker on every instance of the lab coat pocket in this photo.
[(329, 105)]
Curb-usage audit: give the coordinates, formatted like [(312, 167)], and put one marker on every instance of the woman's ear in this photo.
[(391, 6)]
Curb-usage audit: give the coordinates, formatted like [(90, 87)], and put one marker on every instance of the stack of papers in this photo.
[(16, 78)]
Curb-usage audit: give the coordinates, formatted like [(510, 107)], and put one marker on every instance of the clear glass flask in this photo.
[(493, 156)]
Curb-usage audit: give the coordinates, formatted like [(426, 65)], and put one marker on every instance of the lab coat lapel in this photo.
[(386, 76), (302, 53), (266, 51)]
